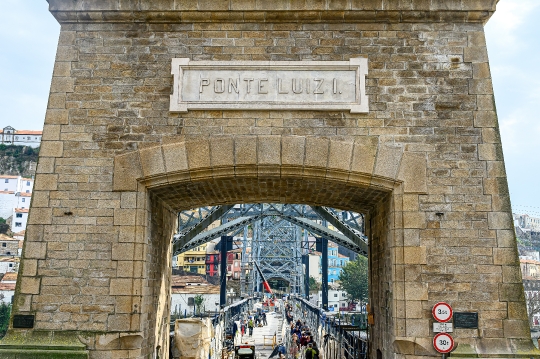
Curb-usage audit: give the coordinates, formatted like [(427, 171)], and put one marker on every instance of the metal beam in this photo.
[(213, 215), (340, 225), (324, 273), (181, 245), (336, 237)]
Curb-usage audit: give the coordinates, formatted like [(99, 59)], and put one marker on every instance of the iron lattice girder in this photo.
[(197, 221), (276, 249), (192, 223), (181, 245), (341, 226)]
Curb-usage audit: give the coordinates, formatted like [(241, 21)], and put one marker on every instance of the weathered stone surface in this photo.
[(425, 164)]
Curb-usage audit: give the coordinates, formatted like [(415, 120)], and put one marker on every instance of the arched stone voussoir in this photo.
[(358, 161)]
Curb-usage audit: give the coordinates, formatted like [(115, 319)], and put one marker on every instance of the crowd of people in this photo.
[(301, 338), (259, 320)]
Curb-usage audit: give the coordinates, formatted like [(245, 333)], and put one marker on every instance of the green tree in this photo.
[(199, 302), (5, 311), (314, 286), (354, 279)]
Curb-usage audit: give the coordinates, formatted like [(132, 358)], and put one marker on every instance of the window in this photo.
[(18, 215), (28, 183), (342, 304), (7, 181), (335, 295), (18, 224), (10, 265), (4, 244), (191, 301), (23, 200), (8, 253), (27, 191)]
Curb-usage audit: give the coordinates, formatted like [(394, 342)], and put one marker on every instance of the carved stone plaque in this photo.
[(269, 85)]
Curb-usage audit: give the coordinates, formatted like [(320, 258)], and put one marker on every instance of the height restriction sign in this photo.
[(443, 343), (442, 312)]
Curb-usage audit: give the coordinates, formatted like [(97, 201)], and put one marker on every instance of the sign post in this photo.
[(443, 342)]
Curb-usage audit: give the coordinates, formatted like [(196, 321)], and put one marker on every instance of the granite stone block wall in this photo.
[(425, 165)]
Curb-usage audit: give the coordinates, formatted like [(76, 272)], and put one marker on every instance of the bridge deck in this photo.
[(262, 336)]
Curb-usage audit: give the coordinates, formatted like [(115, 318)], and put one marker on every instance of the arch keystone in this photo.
[(316, 162)]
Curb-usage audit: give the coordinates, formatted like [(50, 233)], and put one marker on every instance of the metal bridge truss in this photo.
[(278, 238), (277, 249)]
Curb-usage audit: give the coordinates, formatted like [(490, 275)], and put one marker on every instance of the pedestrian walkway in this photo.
[(263, 336)]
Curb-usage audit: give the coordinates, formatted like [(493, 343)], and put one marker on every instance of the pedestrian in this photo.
[(317, 352), (293, 347), (250, 326), (242, 327), (310, 352), (264, 319)]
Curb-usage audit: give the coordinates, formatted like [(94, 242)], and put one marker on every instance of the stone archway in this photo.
[(425, 163), (231, 170)]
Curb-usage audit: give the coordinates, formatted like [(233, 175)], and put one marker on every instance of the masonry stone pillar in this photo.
[(424, 164)]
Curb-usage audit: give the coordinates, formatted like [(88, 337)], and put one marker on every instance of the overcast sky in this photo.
[(29, 34)]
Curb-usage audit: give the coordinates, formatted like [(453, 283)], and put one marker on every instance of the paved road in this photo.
[(263, 335)]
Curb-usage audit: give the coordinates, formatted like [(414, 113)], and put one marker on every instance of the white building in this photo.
[(7, 287), (20, 217), (527, 222), (11, 136), (9, 264), (337, 298), (315, 266), (8, 201), (9, 183), (184, 289), (25, 185), (23, 200), (16, 192)]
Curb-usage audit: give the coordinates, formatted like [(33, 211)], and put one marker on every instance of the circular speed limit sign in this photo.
[(443, 343), (442, 312)]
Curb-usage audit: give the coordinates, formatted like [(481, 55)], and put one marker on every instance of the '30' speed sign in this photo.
[(443, 343)]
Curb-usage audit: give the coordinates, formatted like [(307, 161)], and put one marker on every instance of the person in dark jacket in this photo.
[(310, 352), (317, 352)]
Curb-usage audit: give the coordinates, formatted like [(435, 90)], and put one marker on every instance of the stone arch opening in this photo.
[(378, 211), (168, 192)]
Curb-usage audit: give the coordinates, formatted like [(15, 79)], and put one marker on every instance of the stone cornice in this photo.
[(312, 11)]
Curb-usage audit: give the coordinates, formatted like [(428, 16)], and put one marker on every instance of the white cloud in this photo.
[(508, 18)]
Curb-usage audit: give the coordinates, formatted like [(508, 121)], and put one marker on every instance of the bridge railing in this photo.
[(343, 336)]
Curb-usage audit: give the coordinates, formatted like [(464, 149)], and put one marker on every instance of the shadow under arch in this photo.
[(357, 174)]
